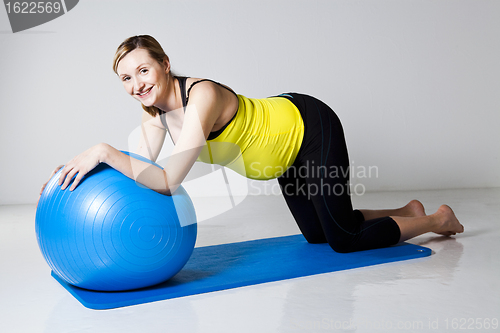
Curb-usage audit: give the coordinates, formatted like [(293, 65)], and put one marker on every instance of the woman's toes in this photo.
[(449, 224)]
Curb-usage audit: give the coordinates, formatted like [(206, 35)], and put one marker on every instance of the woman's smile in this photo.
[(145, 93)]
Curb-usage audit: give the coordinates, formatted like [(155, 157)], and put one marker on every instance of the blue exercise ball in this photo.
[(112, 233)]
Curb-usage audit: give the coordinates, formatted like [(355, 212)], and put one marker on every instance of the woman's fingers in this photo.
[(43, 188), (55, 171), (67, 178), (78, 177), (79, 166), (51, 175), (77, 170), (44, 185), (69, 170), (63, 174)]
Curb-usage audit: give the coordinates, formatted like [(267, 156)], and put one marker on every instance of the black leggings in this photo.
[(316, 186)]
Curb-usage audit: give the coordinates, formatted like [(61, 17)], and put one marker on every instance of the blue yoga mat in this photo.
[(227, 266)]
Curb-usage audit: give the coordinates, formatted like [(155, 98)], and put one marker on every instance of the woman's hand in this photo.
[(43, 186), (81, 165)]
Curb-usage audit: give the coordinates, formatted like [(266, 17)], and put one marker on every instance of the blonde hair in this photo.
[(144, 42)]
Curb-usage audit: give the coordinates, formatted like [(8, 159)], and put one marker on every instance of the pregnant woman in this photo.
[(293, 137)]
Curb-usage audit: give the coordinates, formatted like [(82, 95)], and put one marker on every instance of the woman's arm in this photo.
[(152, 137), (204, 108), (150, 144), (104, 153)]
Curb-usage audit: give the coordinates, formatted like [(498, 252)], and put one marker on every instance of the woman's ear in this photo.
[(166, 63)]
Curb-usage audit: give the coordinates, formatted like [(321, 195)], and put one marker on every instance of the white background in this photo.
[(415, 83)]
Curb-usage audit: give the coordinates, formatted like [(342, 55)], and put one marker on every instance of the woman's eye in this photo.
[(144, 71), (126, 78)]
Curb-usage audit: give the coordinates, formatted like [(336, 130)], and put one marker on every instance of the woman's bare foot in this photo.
[(446, 222), (413, 209)]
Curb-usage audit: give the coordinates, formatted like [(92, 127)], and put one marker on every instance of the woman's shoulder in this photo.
[(196, 85), (192, 82)]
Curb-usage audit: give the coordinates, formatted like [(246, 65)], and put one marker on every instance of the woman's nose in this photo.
[(138, 85)]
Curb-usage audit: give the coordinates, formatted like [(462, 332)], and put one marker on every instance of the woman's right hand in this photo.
[(43, 186)]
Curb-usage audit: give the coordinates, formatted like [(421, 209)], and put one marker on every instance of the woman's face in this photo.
[(143, 77)]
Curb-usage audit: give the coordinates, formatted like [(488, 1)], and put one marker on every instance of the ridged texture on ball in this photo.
[(113, 234)]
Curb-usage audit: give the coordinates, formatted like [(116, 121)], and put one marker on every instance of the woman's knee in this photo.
[(314, 238), (342, 246)]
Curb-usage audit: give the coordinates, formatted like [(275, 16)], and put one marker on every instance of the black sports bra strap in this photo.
[(192, 84), (182, 85)]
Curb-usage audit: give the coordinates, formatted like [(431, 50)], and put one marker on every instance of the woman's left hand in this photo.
[(81, 165)]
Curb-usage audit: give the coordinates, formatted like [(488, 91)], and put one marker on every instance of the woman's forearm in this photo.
[(142, 172)]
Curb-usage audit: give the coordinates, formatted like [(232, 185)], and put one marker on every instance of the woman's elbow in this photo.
[(164, 192)]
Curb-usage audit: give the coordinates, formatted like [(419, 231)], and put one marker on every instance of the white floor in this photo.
[(457, 287)]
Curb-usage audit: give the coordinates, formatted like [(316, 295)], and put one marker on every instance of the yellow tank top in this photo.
[(261, 141)]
